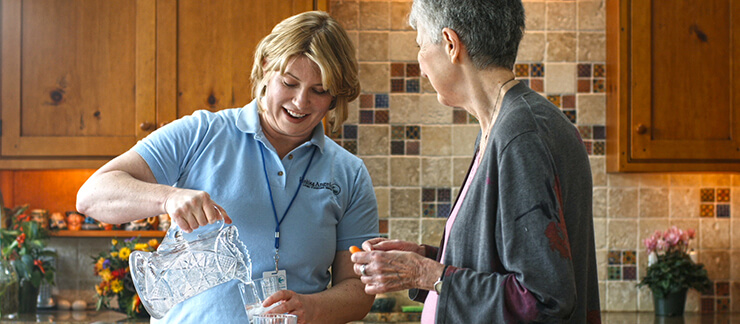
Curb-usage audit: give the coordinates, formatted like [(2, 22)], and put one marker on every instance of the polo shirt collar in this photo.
[(248, 121)]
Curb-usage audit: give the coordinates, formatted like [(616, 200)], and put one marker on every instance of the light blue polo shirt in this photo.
[(219, 153)]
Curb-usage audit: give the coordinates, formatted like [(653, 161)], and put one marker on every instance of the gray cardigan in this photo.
[(522, 249)]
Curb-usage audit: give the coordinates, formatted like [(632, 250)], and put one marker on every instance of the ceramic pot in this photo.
[(672, 304)]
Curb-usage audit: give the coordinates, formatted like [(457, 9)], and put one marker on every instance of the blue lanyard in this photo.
[(274, 210)]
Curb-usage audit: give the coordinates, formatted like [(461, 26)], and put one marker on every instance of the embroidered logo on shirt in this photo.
[(335, 188)]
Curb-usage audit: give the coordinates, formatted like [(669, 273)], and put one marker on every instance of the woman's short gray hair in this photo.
[(490, 29)]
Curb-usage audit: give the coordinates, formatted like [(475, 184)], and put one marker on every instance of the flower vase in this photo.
[(672, 304), (8, 288), (28, 296)]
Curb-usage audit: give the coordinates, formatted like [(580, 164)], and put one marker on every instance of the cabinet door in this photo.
[(674, 85), (78, 77), (205, 51)]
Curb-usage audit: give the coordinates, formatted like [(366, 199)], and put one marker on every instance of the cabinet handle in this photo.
[(145, 126), (163, 123), (641, 129)]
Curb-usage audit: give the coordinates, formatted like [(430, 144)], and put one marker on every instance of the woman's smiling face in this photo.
[(295, 102)]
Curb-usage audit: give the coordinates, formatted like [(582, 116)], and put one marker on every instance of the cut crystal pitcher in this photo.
[(186, 264)]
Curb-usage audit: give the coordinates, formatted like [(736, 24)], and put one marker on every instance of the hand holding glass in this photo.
[(275, 319), (255, 292)]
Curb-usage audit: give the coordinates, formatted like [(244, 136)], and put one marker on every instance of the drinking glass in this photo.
[(275, 319), (255, 292)]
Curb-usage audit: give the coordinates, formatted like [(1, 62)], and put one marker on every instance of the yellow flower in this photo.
[(141, 246), (99, 264), (114, 254), (116, 286), (114, 242), (106, 275), (124, 253), (154, 243)]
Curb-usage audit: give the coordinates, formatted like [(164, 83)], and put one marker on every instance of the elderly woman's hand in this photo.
[(395, 268)]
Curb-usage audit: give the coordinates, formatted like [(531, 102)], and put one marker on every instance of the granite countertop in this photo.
[(65, 316)]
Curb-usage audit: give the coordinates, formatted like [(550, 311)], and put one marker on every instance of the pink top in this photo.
[(429, 312)]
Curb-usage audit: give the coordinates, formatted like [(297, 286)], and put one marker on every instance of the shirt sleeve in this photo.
[(538, 281), (360, 220)]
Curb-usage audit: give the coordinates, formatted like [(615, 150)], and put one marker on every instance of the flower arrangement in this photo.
[(112, 267), (23, 244), (670, 267)]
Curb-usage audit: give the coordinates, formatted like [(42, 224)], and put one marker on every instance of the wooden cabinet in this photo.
[(83, 80), (673, 98)]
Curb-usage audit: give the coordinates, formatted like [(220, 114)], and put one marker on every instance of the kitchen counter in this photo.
[(60, 316)]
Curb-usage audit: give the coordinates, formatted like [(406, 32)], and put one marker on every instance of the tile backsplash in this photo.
[(418, 151)]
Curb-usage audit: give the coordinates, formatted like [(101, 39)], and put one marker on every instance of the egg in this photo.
[(64, 304), (79, 305)]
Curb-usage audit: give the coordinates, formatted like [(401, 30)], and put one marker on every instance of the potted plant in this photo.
[(671, 271), (23, 244), (113, 268)]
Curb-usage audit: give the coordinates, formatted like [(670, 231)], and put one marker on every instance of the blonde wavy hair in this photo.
[(319, 37)]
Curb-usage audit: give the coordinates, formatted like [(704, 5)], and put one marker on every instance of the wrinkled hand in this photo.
[(292, 303), (388, 271), (190, 209), (384, 244)]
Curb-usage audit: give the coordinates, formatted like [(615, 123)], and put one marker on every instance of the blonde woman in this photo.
[(298, 199)]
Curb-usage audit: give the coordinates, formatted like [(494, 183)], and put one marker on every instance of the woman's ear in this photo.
[(453, 45)]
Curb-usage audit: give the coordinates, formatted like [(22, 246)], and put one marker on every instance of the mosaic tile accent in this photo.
[(722, 289), (521, 70), (584, 70), (397, 147), (589, 147), (555, 99), (429, 210), (350, 146), (614, 273), (398, 132), (428, 194), (584, 86), (629, 273), (585, 131), (366, 100), (444, 194), (367, 116), (599, 148), (571, 114), (413, 132), (349, 132), (397, 85), (599, 86), (413, 70), (569, 101), (381, 116), (615, 257), (707, 194), (443, 210), (706, 210), (723, 195), (459, 116), (723, 210), (629, 257), (599, 70), (707, 305), (412, 85), (723, 305), (382, 100), (599, 132), (537, 85), (412, 147), (397, 69), (537, 70)]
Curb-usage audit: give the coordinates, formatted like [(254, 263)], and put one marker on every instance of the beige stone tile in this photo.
[(560, 78), (654, 202), (433, 112), (373, 140), (655, 180), (685, 180), (622, 234), (378, 167), (649, 226), (717, 264), (436, 172), (644, 299), (432, 230), (404, 229), (591, 15), (621, 296), (735, 291), (373, 46), (598, 170), (403, 46), (602, 295), (426, 86), (374, 15), (591, 109), (714, 233), (400, 15), (561, 47), (436, 140), (735, 239), (642, 260), (622, 203), (463, 137), (460, 166), (347, 13), (532, 47), (735, 265), (623, 180), (734, 205), (353, 115), (404, 109), (684, 202), (599, 202), (735, 180), (535, 15), (405, 202), (375, 77), (693, 301), (602, 261), (383, 195), (591, 47), (600, 233), (716, 180), (561, 16), (405, 171)]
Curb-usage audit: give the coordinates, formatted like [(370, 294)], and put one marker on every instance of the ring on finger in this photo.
[(362, 270)]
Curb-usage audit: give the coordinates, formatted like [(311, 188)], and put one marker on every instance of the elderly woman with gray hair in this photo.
[(518, 246)]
